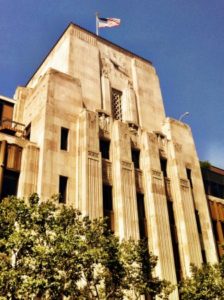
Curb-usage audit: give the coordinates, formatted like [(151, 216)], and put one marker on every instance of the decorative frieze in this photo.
[(93, 155), (157, 174), (184, 182), (84, 37), (126, 165)]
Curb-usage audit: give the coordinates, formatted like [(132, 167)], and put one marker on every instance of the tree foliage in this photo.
[(49, 251), (206, 283)]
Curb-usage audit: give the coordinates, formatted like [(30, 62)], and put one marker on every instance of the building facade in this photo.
[(90, 124)]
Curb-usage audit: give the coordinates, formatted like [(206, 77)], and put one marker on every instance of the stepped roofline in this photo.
[(99, 38)]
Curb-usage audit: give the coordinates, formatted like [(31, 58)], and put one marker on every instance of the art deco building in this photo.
[(96, 132)]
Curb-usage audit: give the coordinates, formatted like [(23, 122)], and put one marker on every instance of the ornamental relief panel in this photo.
[(157, 174), (113, 66), (93, 155)]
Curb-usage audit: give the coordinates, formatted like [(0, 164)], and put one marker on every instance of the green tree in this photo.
[(49, 250), (206, 283)]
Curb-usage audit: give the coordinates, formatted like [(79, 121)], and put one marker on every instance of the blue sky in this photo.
[(184, 39)]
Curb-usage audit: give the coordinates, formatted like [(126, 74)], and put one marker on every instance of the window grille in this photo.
[(116, 104)]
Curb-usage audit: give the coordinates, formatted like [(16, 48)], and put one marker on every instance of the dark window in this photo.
[(10, 183), (108, 206), (105, 148), (163, 165), (62, 189), (189, 177), (64, 138), (174, 240), (222, 223), (198, 221), (116, 104), (215, 231), (135, 154), (141, 216), (28, 131), (203, 256)]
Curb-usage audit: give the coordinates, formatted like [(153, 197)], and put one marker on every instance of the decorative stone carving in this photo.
[(178, 147), (157, 174), (126, 164), (184, 182), (84, 37), (104, 121), (133, 128), (106, 67), (93, 154)]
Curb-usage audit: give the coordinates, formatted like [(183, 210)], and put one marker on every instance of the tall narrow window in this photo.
[(62, 189), (141, 216), (116, 104), (64, 138), (108, 206), (135, 154), (28, 131), (105, 148), (163, 164), (189, 177), (174, 240)]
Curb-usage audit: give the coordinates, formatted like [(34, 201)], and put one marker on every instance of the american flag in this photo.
[(108, 22)]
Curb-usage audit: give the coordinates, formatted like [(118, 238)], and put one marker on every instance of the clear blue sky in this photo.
[(183, 38)]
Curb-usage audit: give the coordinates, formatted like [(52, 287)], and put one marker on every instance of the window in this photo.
[(135, 154), (163, 165), (189, 177), (174, 239), (28, 131), (116, 104), (108, 206), (64, 138), (10, 183), (62, 189), (141, 216), (105, 148), (198, 221)]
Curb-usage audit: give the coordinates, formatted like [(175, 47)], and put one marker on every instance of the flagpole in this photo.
[(97, 24)]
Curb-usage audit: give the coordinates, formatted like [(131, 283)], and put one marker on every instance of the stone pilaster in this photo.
[(124, 191), (89, 177), (106, 93), (190, 249), (29, 171), (156, 210)]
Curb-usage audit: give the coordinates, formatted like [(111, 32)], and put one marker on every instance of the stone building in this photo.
[(90, 124)]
